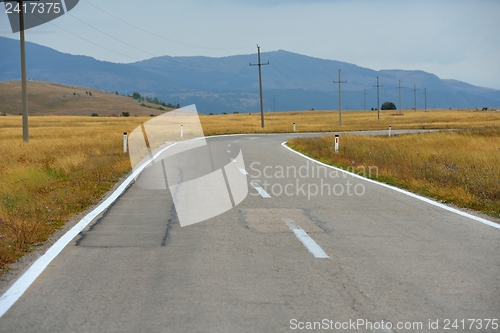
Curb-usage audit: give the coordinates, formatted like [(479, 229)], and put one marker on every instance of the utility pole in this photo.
[(24, 85), (364, 92), (340, 99), (378, 99), (260, 84), (415, 97), (425, 99), (274, 101), (399, 95)]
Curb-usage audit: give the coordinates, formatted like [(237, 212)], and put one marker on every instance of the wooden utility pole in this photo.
[(24, 85), (260, 84), (340, 99), (378, 99)]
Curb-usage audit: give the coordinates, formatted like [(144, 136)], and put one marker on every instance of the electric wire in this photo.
[(104, 33), (88, 41), (162, 37)]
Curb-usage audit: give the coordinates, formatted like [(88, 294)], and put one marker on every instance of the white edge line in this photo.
[(261, 191), (23, 283), (243, 171), (413, 195), (306, 240)]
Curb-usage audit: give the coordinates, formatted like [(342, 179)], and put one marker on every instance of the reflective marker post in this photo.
[(336, 143), (294, 128), (124, 142), (390, 128), (182, 131)]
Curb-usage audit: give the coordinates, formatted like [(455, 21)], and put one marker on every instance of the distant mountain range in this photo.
[(291, 81)]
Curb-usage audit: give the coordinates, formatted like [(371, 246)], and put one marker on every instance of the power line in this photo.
[(302, 74), (162, 37), (88, 41), (119, 53), (286, 77), (104, 33), (340, 99), (260, 84)]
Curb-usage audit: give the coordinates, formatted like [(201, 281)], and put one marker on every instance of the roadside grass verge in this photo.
[(458, 167), (68, 165)]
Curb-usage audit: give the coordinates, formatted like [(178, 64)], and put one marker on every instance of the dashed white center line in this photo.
[(243, 171), (233, 160), (228, 151), (308, 242), (261, 191)]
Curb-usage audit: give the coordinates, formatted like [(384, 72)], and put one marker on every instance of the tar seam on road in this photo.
[(413, 195), (24, 282)]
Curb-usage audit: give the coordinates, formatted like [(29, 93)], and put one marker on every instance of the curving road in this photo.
[(323, 250)]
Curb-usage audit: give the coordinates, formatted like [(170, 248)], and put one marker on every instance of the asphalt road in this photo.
[(387, 258)]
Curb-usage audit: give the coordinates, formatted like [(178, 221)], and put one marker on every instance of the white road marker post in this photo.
[(336, 143), (125, 142), (182, 131), (390, 128), (294, 127)]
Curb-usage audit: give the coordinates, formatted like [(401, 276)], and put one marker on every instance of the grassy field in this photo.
[(47, 98), (71, 162), (460, 167), (327, 121)]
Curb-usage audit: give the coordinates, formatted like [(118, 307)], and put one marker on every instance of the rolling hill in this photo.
[(291, 81), (46, 98)]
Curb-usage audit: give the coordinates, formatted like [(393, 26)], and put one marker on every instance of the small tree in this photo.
[(388, 106), (136, 95), (126, 114)]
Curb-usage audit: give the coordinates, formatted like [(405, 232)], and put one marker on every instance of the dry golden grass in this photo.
[(460, 167), (46, 98), (328, 121), (69, 163)]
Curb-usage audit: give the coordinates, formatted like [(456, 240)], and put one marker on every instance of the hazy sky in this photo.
[(454, 39)]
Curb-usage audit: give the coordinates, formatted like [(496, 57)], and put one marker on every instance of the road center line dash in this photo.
[(261, 191), (243, 171), (308, 242)]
